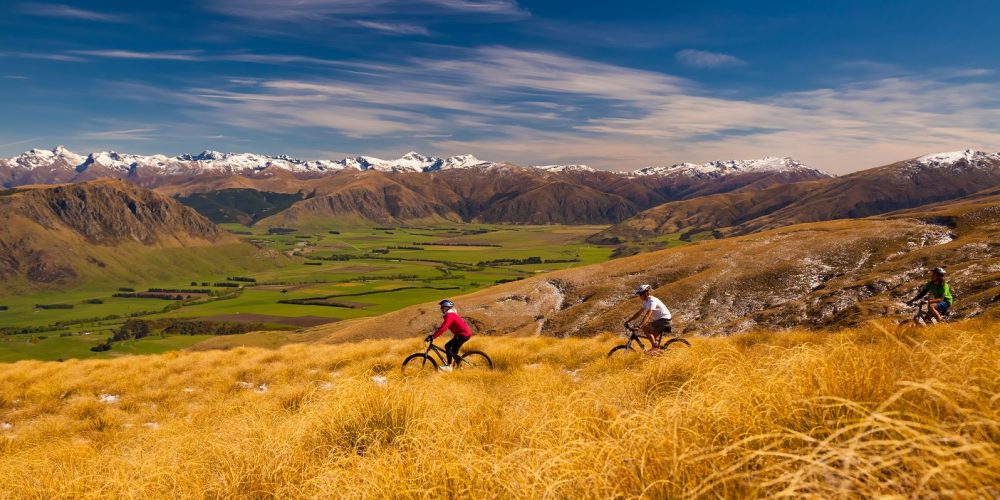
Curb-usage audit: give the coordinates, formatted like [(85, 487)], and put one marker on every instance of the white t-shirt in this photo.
[(659, 310)]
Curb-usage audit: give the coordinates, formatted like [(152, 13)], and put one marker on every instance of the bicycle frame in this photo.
[(924, 312), (441, 353), (436, 350), (636, 336)]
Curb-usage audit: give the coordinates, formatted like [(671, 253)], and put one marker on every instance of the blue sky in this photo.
[(840, 85)]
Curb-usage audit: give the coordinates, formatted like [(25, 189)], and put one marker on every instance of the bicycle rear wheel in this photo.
[(675, 342), (419, 362), (477, 360)]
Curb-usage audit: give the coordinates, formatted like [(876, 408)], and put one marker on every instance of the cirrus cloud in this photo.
[(705, 59)]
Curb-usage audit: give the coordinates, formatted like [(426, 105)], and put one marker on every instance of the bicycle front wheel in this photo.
[(476, 360), (419, 362), (675, 343), (621, 351)]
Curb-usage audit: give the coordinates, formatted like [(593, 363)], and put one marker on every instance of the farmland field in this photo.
[(323, 275)]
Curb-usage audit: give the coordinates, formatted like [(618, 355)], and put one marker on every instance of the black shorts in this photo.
[(661, 325)]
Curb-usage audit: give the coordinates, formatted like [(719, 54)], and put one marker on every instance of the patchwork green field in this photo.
[(328, 275)]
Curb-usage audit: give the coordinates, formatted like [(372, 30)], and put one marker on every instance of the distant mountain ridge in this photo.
[(365, 189), (110, 163), (228, 163), (722, 168), (901, 185)]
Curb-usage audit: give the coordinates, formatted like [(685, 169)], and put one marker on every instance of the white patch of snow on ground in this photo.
[(151, 425), (937, 238), (325, 386), (815, 269), (380, 380), (6, 426), (244, 385), (109, 398), (261, 389), (574, 375), (188, 389)]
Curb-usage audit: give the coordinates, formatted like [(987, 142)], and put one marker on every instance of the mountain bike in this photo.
[(635, 340), (424, 361), (924, 316)]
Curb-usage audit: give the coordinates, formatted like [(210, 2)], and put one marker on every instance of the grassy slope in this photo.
[(824, 275), (878, 410)]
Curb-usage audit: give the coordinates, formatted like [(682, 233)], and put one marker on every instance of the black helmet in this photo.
[(938, 271)]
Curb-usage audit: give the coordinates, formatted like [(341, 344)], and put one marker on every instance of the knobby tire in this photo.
[(419, 362)]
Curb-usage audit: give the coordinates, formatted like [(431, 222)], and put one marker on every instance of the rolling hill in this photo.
[(906, 184), (820, 275), (79, 234)]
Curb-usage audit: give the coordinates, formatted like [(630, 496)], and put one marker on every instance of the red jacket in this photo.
[(453, 322)]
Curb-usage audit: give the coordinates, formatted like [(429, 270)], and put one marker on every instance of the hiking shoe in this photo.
[(445, 368)]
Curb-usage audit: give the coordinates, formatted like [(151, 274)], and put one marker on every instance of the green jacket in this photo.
[(942, 291)]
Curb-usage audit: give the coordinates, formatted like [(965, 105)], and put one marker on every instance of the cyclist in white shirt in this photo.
[(654, 317)]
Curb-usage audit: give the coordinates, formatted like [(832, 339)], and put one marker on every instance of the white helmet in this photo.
[(643, 289)]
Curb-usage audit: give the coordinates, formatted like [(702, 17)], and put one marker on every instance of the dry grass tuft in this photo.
[(880, 410)]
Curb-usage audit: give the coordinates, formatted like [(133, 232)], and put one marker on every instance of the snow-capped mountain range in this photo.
[(214, 162), (719, 168), (237, 163)]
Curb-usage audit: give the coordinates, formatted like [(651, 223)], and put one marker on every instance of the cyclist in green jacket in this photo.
[(941, 299)]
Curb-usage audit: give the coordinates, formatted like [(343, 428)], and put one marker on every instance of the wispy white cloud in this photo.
[(304, 10), (23, 141), (394, 28), (69, 12), (705, 59), (135, 134), (542, 107), (15, 77), (44, 56), (151, 56), (180, 55)]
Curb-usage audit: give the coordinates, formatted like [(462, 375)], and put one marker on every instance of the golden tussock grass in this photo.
[(878, 410)]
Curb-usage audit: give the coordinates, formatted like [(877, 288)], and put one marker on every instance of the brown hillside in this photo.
[(59, 234), (880, 190), (707, 213), (500, 193), (820, 275), (365, 196), (560, 203)]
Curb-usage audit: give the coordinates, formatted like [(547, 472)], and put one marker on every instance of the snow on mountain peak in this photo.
[(971, 156), (564, 168), (35, 158), (729, 167)]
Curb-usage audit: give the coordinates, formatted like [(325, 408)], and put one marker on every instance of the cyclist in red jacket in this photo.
[(461, 331)]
